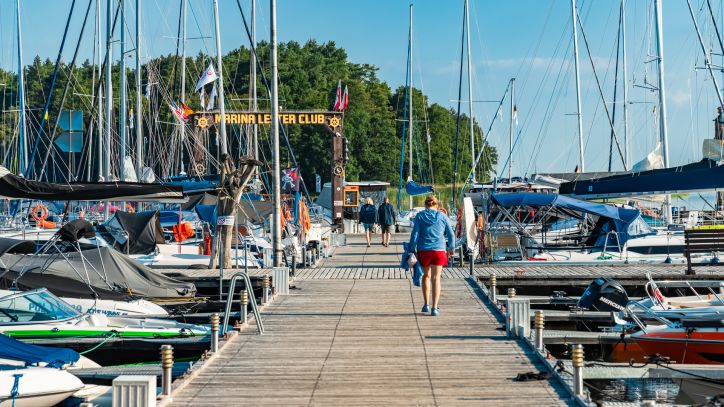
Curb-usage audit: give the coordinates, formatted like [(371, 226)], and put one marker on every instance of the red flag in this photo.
[(186, 110), (345, 99), (338, 98)]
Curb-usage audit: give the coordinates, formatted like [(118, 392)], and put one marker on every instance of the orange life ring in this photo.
[(130, 208), (39, 213)]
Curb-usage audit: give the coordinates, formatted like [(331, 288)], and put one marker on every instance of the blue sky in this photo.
[(526, 39)]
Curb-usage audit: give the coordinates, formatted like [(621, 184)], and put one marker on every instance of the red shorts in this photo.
[(428, 258)]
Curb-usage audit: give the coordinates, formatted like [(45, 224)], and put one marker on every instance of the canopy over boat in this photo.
[(625, 222), (15, 187), (704, 175), (133, 233), (13, 349), (413, 189)]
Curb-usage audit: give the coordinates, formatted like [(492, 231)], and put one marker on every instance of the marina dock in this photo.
[(361, 340)]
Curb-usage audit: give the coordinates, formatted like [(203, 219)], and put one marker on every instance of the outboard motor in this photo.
[(604, 294)]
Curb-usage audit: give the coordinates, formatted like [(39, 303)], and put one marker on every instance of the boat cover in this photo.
[(704, 175), (16, 246), (413, 189), (248, 212), (133, 233), (110, 274), (626, 222), (13, 349), (15, 187)]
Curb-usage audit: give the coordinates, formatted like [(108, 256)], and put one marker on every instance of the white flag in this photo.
[(201, 98), (208, 76), (515, 114), (212, 99)]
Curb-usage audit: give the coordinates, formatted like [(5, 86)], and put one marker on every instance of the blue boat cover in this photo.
[(626, 222), (413, 189), (13, 349), (704, 175)]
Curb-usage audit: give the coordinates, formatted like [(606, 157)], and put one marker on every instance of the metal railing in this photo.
[(229, 299)]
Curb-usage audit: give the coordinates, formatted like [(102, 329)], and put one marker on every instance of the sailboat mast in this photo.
[(99, 63), (663, 130), (470, 88), (510, 129), (21, 99), (220, 89), (122, 114), (139, 116), (109, 98), (183, 77), (276, 170), (409, 97), (627, 153), (579, 113), (252, 87)]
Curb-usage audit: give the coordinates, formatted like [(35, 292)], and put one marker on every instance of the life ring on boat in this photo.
[(39, 213), (130, 208)]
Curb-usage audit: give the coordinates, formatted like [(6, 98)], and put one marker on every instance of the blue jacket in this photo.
[(368, 214), (431, 229), (386, 214)]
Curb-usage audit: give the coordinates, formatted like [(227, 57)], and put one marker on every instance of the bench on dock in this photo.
[(702, 241)]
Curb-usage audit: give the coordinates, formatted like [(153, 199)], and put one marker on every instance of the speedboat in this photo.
[(39, 317), (689, 342)]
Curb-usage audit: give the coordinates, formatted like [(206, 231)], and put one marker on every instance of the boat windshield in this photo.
[(34, 306)]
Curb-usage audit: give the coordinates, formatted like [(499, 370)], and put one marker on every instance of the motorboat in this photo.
[(690, 342)]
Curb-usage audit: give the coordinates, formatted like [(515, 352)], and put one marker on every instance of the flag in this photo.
[(130, 119), (201, 98), (177, 111), (290, 180), (212, 99), (515, 114), (338, 98), (148, 90), (345, 99), (186, 111), (46, 116), (207, 77)]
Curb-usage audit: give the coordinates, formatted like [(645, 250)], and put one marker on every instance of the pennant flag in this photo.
[(186, 111), (46, 116), (515, 114), (345, 99), (201, 98), (130, 119), (177, 111), (212, 99), (207, 77), (338, 98)]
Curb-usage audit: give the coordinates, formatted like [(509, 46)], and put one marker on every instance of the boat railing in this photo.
[(652, 287), (252, 300), (605, 243)]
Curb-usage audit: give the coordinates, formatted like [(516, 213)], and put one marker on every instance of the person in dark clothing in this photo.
[(368, 218), (386, 218)]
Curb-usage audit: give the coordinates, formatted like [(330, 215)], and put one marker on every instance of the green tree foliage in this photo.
[(308, 75)]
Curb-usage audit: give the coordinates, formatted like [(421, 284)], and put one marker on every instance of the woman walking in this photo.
[(431, 236)]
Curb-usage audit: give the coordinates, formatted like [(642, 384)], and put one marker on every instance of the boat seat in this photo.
[(507, 241)]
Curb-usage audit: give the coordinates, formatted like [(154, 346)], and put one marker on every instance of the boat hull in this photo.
[(699, 347)]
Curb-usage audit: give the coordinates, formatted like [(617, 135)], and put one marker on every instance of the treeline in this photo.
[(308, 74)]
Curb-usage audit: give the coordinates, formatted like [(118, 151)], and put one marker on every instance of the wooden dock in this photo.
[(343, 340)]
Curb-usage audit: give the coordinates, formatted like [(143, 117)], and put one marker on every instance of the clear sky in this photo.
[(527, 39)]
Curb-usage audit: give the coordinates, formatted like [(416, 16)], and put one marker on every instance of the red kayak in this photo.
[(684, 345)]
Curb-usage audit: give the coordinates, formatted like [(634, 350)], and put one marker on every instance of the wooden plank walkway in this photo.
[(364, 342)]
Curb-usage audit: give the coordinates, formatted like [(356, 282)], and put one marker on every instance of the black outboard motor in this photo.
[(604, 294)]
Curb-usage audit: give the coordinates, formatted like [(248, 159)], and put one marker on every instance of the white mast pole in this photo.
[(139, 116), (409, 97), (21, 96), (99, 63), (627, 153), (275, 137), (470, 90), (510, 129), (109, 98), (579, 113), (122, 114), (183, 76), (663, 131), (220, 89), (252, 87)]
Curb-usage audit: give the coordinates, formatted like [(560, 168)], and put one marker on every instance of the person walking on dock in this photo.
[(368, 218), (431, 236), (386, 218)]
